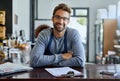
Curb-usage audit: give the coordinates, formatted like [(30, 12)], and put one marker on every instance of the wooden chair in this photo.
[(40, 28)]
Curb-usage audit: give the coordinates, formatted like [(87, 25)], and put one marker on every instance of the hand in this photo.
[(67, 55)]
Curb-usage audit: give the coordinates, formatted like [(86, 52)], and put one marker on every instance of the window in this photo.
[(80, 20)]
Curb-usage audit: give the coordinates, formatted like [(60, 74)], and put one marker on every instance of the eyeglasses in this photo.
[(59, 17)]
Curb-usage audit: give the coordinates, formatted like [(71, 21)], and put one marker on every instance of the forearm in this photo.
[(42, 60), (75, 61), (38, 60)]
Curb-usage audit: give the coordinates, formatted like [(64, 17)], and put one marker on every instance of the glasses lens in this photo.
[(59, 17)]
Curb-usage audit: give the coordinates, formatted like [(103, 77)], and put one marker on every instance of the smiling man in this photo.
[(60, 45)]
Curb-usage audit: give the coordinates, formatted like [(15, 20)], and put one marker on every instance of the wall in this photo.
[(45, 9), (21, 8)]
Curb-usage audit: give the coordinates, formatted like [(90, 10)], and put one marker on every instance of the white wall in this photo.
[(21, 9), (118, 13), (45, 9)]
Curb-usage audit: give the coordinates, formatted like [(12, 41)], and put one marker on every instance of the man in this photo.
[(60, 45)]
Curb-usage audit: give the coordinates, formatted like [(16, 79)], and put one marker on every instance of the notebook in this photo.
[(8, 68)]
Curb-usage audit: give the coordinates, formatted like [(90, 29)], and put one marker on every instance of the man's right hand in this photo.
[(67, 55)]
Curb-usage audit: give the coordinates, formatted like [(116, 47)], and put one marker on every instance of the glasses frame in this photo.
[(57, 17)]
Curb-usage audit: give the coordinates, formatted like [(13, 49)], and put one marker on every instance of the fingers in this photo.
[(67, 55)]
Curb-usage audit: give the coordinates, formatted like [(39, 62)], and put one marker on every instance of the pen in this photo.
[(71, 76), (108, 73)]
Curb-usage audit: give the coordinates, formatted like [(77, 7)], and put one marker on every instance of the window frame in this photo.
[(87, 16)]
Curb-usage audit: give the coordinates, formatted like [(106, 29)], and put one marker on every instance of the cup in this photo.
[(16, 58), (15, 55)]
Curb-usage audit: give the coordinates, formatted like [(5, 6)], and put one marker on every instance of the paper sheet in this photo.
[(8, 68), (59, 71)]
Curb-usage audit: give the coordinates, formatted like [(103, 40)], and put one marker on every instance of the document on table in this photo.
[(59, 71), (8, 68)]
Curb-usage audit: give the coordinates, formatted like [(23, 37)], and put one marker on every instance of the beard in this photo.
[(58, 28)]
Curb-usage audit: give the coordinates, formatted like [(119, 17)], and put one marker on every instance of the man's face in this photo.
[(60, 20)]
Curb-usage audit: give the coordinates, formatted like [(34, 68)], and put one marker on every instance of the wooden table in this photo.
[(90, 71)]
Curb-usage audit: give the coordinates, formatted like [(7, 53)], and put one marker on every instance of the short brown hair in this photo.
[(62, 6)]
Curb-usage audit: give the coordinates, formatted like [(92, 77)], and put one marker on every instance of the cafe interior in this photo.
[(97, 21)]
